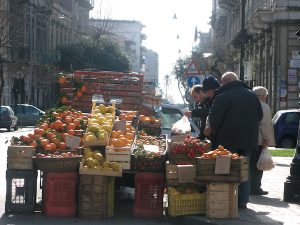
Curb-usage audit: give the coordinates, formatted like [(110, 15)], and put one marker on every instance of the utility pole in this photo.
[(167, 84)]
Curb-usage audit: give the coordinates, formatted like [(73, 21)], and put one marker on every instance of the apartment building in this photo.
[(37, 29), (260, 36)]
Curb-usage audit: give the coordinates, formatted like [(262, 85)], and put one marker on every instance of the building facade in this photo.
[(151, 66), (259, 35), (127, 34), (38, 28)]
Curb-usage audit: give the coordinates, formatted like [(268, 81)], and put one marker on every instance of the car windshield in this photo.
[(168, 117)]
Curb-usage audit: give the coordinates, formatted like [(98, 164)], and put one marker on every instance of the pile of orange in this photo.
[(128, 115), (51, 133), (122, 139), (147, 119)]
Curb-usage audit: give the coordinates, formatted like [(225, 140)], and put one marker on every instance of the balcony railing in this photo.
[(253, 6)]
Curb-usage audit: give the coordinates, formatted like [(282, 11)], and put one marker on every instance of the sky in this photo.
[(161, 29)]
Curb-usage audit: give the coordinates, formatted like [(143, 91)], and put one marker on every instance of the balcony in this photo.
[(258, 14)]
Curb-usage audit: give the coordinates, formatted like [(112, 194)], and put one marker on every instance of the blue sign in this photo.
[(192, 80)]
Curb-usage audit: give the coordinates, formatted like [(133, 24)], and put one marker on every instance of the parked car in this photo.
[(286, 123), (170, 114), (8, 119), (28, 115)]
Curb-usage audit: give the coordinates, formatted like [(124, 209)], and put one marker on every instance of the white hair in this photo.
[(260, 91), (228, 77)]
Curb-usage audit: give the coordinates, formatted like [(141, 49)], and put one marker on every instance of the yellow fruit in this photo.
[(115, 166), (90, 162), (99, 157), (93, 128), (102, 109), (90, 137), (86, 150), (89, 155), (106, 164)]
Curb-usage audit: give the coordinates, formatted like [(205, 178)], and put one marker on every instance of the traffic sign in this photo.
[(193, 80), (193, 69)]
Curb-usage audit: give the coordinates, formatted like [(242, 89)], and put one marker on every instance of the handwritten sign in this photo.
[(120, 125), (222, 165)]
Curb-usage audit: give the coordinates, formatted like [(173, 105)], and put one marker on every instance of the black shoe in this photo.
[(242, 206), (259, 192)]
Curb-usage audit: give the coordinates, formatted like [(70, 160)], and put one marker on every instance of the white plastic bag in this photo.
[(265, 161), (182, 126)]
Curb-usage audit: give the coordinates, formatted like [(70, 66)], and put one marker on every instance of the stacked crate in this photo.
[(96, 197), (125, 87), (20, 180)]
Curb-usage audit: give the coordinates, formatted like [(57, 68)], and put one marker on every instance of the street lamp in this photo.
[(292, 183)]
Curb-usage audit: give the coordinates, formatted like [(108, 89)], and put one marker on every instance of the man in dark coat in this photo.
[(203, 101), (234, 120)]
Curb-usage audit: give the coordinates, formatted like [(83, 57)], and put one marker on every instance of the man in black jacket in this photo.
[(233, 119)]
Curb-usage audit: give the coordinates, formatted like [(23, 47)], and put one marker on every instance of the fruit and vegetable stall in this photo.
[(80, 157)]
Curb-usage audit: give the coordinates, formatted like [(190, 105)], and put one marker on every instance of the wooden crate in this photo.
[(172, 176), (96, 172), (120, 155), (205, 171), (222, 200), (94, 199), (20, 157)]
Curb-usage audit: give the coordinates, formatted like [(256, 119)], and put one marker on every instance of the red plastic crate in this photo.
[(149, 189), (60, 194)]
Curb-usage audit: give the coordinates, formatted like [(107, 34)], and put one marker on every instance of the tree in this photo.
[(100, 55)]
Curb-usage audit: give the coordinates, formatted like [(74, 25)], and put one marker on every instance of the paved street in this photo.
[(269, 209)]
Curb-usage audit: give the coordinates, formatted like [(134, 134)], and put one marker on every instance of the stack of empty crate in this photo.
[(222, 180), (20, 180)]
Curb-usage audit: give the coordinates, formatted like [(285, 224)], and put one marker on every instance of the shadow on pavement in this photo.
[(264, 200)]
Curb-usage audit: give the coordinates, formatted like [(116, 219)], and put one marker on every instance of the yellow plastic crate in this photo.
[(185, 204)]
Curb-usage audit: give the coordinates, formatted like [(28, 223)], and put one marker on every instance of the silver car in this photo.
[(28, 115)]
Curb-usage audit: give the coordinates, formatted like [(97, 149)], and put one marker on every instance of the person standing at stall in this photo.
[(265, 139), (233, 120), (202, 95)]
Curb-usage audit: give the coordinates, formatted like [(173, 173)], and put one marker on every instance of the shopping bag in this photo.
[(265, 161), (182, 126)]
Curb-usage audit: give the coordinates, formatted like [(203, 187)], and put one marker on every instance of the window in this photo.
[(291, 118), (31, 111)]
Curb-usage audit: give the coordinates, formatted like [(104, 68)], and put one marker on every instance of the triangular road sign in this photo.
[(192, 69)]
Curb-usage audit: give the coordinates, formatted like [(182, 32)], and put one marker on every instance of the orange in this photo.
[(142, 118), (71, 126), (123, 142), (129, 136), (129, 117), (62, 80), (57, 124), (34, 144), (47, 147), (68, 119), (147, 119), (44, 142), (71, 132), (77, 123), (53, 146), (62, 146), (25, 139), (50, 135), (114, 134), (55, 141)]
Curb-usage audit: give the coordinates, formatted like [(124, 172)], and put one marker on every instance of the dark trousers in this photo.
[(255, 174)]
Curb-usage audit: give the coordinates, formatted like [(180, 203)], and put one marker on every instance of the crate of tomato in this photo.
[(150, 154), (185, 152)]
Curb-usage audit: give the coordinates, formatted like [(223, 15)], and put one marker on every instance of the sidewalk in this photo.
[(268, 210)]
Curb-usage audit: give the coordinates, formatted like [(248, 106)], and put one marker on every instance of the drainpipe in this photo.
[(243, 31)]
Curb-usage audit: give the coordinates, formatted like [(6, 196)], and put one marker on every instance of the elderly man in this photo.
[(234, 118)]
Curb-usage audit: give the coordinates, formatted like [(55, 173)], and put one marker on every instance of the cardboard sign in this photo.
[(151, 148), (186, 174), (120, 125), (222, 165), (72, 142)]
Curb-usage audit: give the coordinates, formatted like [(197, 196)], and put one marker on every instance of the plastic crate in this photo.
[(149, 189), (60, 194), (186, 204), (20, 190)]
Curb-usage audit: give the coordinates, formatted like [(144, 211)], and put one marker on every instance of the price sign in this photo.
[(222, 165)]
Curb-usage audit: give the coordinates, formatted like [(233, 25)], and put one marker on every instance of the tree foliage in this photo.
[(88, 53), (181, 68)]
